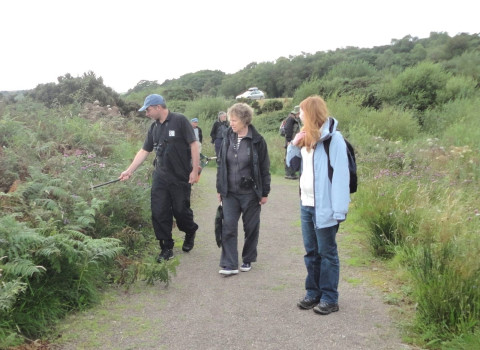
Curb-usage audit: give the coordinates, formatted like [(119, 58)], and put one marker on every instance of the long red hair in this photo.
[(315, 114)]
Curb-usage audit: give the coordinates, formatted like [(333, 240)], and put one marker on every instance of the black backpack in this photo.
[(352, 164)]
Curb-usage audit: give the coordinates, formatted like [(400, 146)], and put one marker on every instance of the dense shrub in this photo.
[(348, 111), (467, 64), (177, 106), (206, 108), (269, 122), (308, 88), (272, 105), (436, 121), (416, 88), (456, 123), (392, 124), (351, 70), (179, 94), (457, 87), (68, 90)]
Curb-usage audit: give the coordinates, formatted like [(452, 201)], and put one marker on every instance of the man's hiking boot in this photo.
[(307, 304), (325, 308), (189, 241), (165, 254)]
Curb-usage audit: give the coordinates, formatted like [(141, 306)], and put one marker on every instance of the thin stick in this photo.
[(106, 183)]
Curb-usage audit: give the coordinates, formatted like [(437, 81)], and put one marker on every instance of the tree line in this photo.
[(349, 69), (365, 72)]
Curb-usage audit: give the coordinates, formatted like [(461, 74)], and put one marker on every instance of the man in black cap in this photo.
[(176, 163)]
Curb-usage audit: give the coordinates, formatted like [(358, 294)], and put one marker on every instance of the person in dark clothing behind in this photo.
[(243, 185), (218, 129), (292, 126), (176, 163)]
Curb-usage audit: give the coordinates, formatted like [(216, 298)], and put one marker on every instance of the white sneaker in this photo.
[(227, 272)]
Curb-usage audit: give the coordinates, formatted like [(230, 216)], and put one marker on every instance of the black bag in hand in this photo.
[(218, 225)]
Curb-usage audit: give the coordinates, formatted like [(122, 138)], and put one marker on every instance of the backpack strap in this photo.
[(326, 146)]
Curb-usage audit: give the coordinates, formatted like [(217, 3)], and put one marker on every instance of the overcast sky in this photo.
[(128, 41)]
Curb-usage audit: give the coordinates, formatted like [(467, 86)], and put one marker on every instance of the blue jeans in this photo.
[(321, 258)]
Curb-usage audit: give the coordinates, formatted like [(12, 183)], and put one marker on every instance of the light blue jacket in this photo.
[(331, 198)]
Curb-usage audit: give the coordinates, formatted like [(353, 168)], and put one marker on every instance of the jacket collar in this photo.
[(252, 133)]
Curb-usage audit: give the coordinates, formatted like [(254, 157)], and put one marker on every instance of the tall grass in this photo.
[(445, 270), (391, 210), (417, 200)]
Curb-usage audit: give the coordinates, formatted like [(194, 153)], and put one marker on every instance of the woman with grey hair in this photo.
[(243, 185), (218, 129)]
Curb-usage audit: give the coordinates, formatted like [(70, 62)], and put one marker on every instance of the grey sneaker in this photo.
[(307, 304), (246, 267), (325, 308)]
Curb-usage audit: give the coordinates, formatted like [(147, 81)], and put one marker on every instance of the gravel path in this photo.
[(201, 309)]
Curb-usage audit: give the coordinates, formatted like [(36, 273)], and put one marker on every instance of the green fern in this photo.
[(85, 212), (9, 292), (45, 149), (16, 238), (153, 271), (62, 267), (22, 268)]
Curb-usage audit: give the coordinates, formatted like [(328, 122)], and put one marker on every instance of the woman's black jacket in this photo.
[(260, 166)]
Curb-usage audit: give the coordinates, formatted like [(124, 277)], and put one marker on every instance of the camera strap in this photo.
[(159, 130)]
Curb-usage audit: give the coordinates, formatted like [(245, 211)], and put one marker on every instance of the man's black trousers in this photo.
[(168, 201)]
